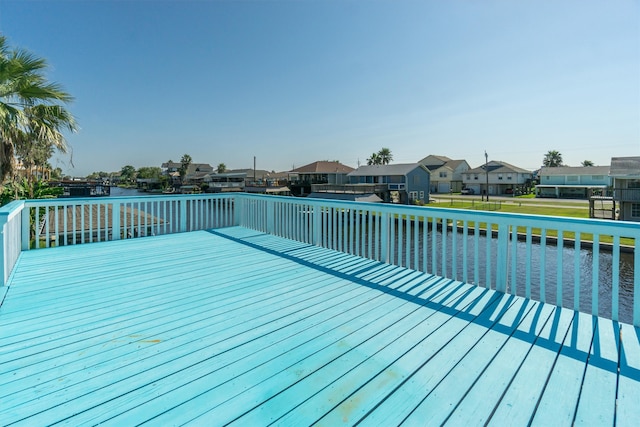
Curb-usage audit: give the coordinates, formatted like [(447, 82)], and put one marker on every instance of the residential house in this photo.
[(446, 174), (625, 174), (496, 178), (224, 182), (195, 172), (576, 182), (398, 183), (321, 172)]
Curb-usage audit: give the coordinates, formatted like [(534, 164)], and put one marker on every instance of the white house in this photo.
[(446, 174), (572, 182), (502, 178)]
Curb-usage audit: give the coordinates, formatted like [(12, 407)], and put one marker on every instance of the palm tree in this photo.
[(222, 168), (374, 159), (552, 159), (185, 161), (587, 163), (385, 156), (31, 108)]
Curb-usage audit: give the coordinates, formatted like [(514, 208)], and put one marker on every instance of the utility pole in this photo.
[(486, 169)]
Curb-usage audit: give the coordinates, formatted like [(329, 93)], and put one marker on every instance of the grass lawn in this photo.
[(533, 207)]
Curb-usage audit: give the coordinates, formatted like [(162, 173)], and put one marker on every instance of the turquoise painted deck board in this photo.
[(237, 326)]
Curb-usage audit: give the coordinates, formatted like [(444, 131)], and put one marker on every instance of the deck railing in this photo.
[(584, 264)]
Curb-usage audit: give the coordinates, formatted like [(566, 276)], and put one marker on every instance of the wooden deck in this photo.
[(235, 326)]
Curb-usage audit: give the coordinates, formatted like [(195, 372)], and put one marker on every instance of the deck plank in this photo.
[(628, 409), (233, 325), (597, 404)]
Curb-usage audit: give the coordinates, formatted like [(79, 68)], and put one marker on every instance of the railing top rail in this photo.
[(11, 209), (124, 199)]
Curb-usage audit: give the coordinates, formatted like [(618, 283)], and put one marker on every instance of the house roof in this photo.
[(324, 166), (574, 170), (625, 167), (387, 170), (497, 166), (434, 160)]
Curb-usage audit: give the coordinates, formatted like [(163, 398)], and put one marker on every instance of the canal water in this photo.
[(535, 261)]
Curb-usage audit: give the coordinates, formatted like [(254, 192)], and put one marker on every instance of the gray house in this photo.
[(398, 183), (625, 173)]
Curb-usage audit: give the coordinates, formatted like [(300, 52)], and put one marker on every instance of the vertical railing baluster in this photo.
[(502, 252), (454, 248), (56, 224), (636, 282), (443, 235), (370, 234), (476, 252), (514, 259), (615, 282), (543, 264), (488, 259), (47, 229), (385, 244), (434, 245), (416, 242), (595, 274), (576, 271), (465, 251), (425, 243), (559, 267), (527, 260), (396, 223)]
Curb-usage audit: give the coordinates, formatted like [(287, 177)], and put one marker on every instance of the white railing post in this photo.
[(503, 251), (270, 205), (636, 283), (115, 221), (238, 207), (384, 238), (183, 215), (26, 228), (317, 225)]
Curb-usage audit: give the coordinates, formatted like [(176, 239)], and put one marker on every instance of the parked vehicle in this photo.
[(467, 191)]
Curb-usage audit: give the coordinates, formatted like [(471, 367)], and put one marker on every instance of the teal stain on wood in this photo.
[(234, 325)]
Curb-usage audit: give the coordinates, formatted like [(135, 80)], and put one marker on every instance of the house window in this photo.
[(635, 210), (443, 174), (572, 178), (469, 177), (500, 176), (416, 179), (508, 176), (597, 177), (413, 195), (422, 195), (475, 176), (633, 183)]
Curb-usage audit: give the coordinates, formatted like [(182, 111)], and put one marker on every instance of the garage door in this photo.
[(443, 187)]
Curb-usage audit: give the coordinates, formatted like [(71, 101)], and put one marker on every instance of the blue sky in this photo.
[(291, 82)]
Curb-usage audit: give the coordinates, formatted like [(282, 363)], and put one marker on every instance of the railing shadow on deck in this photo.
[(490, 315)]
